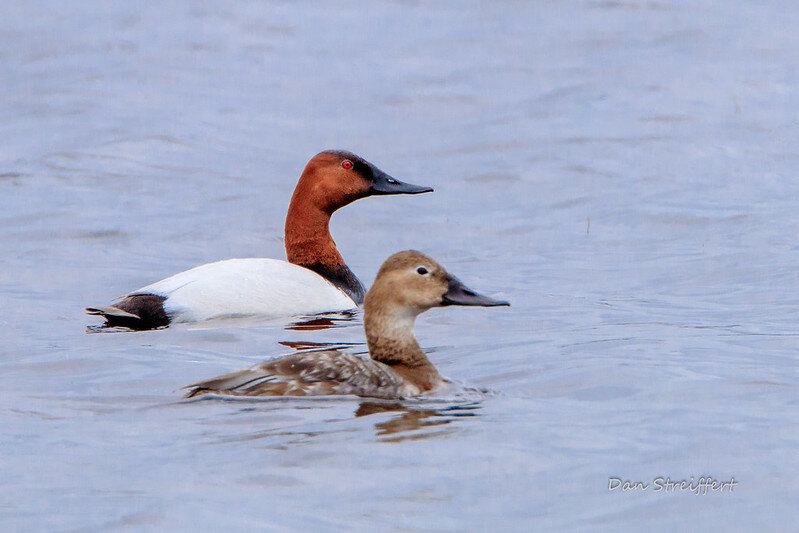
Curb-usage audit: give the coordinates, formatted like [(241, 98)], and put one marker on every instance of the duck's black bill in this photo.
[(384, 184), (459, 294)]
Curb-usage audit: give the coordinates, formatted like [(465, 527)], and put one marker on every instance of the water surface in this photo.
[(623, 172)]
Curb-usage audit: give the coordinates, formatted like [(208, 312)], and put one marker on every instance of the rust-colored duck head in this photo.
[(335, 178), (331, 180)]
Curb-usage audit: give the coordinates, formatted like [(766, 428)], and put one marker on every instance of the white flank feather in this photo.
[(254, 286)]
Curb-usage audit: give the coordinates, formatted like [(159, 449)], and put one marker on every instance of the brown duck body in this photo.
[(408, 284), (311, 374)]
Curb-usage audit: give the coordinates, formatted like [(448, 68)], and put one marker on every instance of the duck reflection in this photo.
[(326, 321), (412, 419), (318, 322), (308, 346)]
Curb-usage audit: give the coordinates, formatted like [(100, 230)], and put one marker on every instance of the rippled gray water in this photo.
[(624, 172)]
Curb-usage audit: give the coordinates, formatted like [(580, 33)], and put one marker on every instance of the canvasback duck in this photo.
[(314, 280), (408, 284)]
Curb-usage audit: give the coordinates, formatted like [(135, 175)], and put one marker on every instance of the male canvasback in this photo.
[(408, 284), (314, 280)]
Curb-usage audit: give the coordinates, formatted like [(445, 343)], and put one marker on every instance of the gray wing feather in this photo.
[(308, 373)]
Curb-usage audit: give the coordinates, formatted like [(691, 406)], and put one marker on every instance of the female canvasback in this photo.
[(314, 280), (408, 284)]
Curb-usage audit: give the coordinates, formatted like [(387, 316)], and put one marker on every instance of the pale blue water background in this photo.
[(137, 140)]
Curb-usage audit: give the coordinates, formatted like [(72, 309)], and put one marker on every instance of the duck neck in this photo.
[(310, 245), (391, 341), (308, 239)]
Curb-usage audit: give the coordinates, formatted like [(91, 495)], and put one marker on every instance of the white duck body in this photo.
[(314, 280), (243, 287)]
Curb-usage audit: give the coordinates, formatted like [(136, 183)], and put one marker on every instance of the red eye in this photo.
[(346, 164)]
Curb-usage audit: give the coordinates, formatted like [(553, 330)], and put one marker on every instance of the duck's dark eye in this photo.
[(391, 180), (421, 270), (347, 164)]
